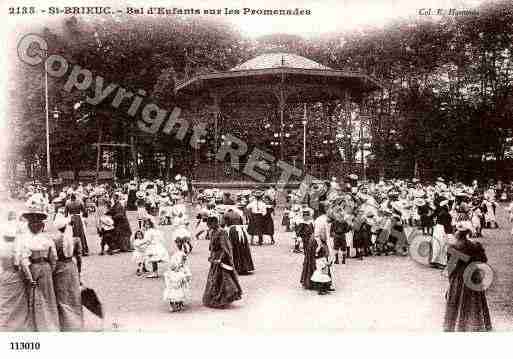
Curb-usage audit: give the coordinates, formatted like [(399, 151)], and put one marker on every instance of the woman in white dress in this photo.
[(443, 227)]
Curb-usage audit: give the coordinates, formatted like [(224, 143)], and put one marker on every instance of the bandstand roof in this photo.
[(307, 80)]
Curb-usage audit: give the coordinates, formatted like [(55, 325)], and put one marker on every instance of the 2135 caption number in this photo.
[(22, 10), (24, 346)]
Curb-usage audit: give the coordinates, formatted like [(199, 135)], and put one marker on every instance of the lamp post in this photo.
[(304, 137), (48, 163)]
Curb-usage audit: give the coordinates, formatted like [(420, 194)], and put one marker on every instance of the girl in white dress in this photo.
[(178, 279), (155, 252), (139, 253)]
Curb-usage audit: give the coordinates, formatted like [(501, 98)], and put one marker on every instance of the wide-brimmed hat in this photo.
[(107, 222), (150, 219), (258, 193), (440, 179), (9, 231), (34, 217), (464, 226), (60, 221), (445, 202), (419, 202), (393, 193), (140, 194), (178, 177)]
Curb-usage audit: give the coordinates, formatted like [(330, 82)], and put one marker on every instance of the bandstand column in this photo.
[(216, 110)]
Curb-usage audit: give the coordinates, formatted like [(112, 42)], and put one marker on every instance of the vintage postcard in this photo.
[(256, 166)]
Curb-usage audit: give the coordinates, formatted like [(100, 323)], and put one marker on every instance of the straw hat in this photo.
[(107, 222), (60, 222), (258, 193), (419, 202), (9, 232), (34, 217)]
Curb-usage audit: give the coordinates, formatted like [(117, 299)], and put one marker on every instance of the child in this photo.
[(339, 228), (178, 279), (165, 209), (140, 246), (303, 230), (201, 225), (510, 211), (155, 251), (322, 275), (141, 208), (476, 219), (107, 234)]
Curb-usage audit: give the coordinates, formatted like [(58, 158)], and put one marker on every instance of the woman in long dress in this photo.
[(443, 227), (466, 307), (242, 259), (76, 209), (39, 252), (223, 285), (66, 277), (305, 231), (121, 224), (14, 308)]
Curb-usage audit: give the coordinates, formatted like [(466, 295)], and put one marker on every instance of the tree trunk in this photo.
[(168, 165), (133, 152)]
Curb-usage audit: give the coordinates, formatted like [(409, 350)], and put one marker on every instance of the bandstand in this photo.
[(261, 101)]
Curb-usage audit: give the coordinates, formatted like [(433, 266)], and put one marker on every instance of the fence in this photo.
[(224, 172)]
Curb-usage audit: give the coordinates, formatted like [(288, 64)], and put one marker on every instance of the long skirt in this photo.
[(309, 266), (14, 309), (466, 309), (78, 231), (439, 246), (222, 287), (130, 203), (178, 285), (268, 225), (256, 225), (67, 293), (42, 301), (242, 259), (123, 234)]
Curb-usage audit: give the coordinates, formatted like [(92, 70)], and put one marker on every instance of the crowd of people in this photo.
[(331, 222)]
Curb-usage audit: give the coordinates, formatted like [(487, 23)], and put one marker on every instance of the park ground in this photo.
[(384, 293)]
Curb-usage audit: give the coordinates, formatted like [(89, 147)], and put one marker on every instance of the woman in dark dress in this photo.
[(223, 285), (305, 231), (268, 220), (132, 191), (242, 259), (75, 209), (467, 307), (121, 225), (426, 216)]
